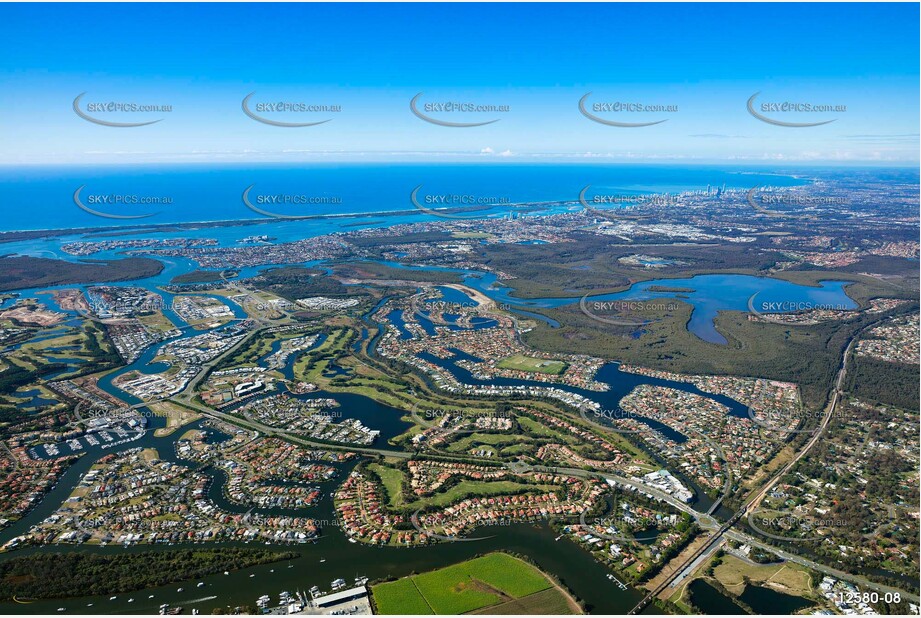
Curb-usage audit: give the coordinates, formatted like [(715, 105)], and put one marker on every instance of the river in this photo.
[(341, 558)]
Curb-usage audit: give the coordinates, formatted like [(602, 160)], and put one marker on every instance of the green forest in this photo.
[(77, 574)]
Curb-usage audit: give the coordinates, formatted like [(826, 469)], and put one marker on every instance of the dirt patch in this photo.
[(32, 314), (479, 586), (553, 601), (70, 300)]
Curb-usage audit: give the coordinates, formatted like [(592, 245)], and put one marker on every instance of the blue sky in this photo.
[(536, 59)]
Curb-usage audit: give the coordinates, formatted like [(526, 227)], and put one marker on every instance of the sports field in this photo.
[(494, 580), (519, 362)]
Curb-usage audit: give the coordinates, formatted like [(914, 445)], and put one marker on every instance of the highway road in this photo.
[(861, 581), (755, 500), (837, 392)]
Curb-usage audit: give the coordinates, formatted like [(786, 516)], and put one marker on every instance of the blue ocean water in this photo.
[(42, 197)]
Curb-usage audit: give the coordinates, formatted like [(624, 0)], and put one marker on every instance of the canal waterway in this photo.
[(333, 556)]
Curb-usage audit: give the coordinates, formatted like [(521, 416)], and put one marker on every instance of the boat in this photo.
[(322, 559), (61, 609), (199, 584), (150, 597), (226, 572), (252, 575), (164, 606), (178, 589), (112, 598), (131, 600), (89, 604)]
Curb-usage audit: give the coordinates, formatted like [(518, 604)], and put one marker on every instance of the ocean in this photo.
[(42, 197)]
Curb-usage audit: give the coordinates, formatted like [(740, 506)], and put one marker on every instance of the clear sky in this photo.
[(539, 60)]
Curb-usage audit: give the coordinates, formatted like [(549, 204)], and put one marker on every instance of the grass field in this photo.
[(392, 480), (519, 362), (493, 581), (732, 573), (533, 427), (156, 321), (176, 417), (475, 488), (493, 439), (400, 597)]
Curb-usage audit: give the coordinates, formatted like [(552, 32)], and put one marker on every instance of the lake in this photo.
[(709, 600)]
